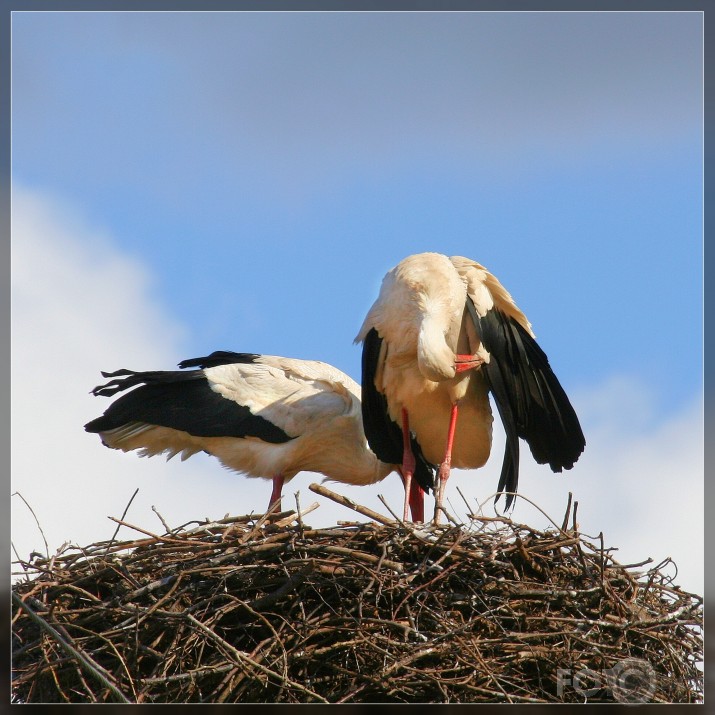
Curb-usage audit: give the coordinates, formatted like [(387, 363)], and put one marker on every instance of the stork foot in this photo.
[(441, 481)]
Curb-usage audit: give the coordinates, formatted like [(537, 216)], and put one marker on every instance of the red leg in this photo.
[(445, 467), (417, 503), (407, 483), (414, 499), (408, 463), (276, 493)]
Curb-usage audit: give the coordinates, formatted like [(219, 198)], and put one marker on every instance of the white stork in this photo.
[(260, 415), (443, 334)]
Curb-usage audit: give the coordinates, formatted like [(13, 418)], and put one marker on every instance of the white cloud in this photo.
[(315, 97), (80, 305)]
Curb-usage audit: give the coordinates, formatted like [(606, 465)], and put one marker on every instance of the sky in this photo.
[(187, 182)]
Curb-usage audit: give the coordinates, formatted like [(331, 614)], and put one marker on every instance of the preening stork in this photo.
[(443, 334), (260, 415)]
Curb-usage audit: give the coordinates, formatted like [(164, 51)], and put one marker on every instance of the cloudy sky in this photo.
[(185, 182)]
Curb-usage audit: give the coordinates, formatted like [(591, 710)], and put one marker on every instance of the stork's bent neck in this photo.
[(434, 357)]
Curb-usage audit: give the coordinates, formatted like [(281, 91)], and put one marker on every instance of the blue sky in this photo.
[(262, 171)]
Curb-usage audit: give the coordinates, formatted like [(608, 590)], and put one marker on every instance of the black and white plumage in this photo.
[(442, 335), (260, 415)]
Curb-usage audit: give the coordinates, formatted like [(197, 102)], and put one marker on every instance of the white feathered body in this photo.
[(316, 405), (420, 314)]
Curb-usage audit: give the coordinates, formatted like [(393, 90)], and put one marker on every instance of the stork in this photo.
[(259, 415), (442, 335)]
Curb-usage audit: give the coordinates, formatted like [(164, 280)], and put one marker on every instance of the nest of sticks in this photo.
[(259, 609)]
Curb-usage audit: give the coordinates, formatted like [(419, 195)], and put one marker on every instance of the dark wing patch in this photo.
[(182, 401), (529, 397), (219, 357), (384, 435)]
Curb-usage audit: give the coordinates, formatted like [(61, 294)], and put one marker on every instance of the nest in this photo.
[(259, 609)]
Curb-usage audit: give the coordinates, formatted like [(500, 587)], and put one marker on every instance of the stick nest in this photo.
[(261, 609)]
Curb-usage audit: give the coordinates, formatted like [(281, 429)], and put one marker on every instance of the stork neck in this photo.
[(434, 357)]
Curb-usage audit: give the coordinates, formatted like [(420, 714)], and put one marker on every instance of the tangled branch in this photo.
[(266, 609)]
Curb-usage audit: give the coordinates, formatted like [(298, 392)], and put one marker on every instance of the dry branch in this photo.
[(267, 609)]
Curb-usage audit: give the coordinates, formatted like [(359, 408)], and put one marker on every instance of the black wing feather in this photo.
[(182, 401), (383, 434), (529, 397), (219, 357)]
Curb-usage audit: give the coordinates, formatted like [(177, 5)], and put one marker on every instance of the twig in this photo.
[(119, 526), (244, 659), (297, 508), (83, 659), (341, 612), (565, 523), (42, 533), (349, 503), (161, 518), (397, 518), (148, 533), (466, 503), (297, 516), (526, 499), (190, 674)]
